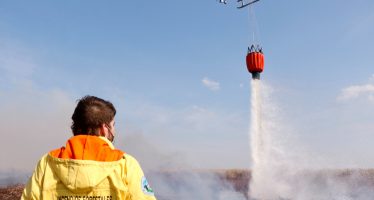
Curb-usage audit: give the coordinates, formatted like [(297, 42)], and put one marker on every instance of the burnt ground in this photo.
[(11, 192), (239, 179)]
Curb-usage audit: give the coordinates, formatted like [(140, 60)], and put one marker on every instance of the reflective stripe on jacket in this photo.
[(88, 168)]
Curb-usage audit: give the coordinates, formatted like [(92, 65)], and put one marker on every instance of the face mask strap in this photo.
[(111, 139)]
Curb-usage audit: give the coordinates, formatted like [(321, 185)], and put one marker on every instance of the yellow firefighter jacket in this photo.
[(88, 168)]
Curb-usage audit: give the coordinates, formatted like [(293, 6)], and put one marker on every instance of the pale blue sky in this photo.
[(150, 59)]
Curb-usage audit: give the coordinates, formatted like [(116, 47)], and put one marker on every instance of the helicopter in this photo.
[(242, 3), (222, 1), (245, 4)]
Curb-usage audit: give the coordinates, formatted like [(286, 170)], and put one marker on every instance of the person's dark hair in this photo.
[(91, 112)]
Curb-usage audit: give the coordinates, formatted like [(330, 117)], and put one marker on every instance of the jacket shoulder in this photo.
[(33, 188), (41, 166)]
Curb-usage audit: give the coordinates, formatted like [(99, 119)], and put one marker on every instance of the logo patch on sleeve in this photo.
[(146, 188)]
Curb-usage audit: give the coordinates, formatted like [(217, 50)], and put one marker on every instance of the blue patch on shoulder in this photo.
[(146, 188)]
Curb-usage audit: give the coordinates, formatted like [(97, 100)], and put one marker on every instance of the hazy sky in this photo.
[(176, 72)]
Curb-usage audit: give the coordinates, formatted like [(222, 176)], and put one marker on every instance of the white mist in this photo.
[(282, 170)]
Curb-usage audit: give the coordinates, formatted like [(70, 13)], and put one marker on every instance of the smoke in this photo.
[(13, 177), (282, 169), (170, 173), (33, 119), (198, 131), (334, 184), (185, 185), (172, 145)]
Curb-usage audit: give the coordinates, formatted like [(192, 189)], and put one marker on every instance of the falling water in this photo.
[(282, 170), (269, 166), (257, 139)]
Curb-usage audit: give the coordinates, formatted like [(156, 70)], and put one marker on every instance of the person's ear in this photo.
[(102, 130)]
